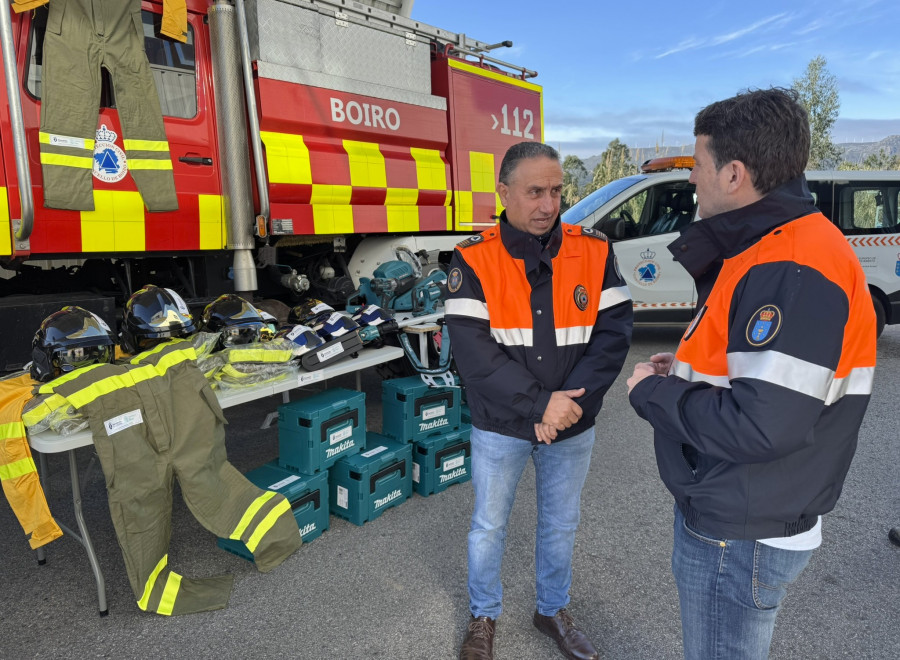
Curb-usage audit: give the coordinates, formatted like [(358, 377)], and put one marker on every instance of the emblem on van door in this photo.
[(897, 267), (647, 271), (763, 325)]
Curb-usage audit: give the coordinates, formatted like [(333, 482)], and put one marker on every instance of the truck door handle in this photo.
[(196, 160)]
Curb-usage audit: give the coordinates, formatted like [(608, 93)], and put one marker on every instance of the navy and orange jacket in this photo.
[(528, 320), (758, 419)]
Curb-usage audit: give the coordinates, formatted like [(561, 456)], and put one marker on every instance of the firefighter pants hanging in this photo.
[(156, 420), (82, 36)]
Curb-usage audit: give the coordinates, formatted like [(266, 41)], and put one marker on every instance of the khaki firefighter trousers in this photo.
[(155, 420), (82, 36)]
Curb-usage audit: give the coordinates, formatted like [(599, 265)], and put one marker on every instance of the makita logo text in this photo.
[(458, 472), (307, 528), (427, 426), (388, 499), (367, 114), (346, 444)]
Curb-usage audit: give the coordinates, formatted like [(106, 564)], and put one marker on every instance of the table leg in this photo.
[(85, 539), (45, 484)]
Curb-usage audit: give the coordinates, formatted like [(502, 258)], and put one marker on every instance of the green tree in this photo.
[(880, 161), (819, 95), (574, 172), (614, 163)]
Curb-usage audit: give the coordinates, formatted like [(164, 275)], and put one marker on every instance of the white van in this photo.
[(643, 213)]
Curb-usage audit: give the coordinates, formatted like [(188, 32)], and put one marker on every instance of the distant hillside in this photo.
[(854, 152)]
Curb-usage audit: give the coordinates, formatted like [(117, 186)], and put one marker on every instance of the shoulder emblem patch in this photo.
[(764, 325), (454, 280), (472, 240), (596, 233), (581, 297)]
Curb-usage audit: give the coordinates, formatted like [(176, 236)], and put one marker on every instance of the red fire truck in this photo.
[(298, 130)]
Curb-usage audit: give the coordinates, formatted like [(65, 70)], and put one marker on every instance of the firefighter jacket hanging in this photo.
[(757, 422), (81, 37), (17, 470), (153, 419)]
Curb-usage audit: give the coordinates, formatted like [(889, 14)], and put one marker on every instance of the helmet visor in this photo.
[(248, 333), (69, 359)]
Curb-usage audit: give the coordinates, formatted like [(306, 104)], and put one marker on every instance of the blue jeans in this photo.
[(730, 593), (560, 470)]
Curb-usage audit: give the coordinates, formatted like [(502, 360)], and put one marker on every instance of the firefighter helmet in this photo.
[(303, 336), (237, 320), (70, 339), (154, 314)]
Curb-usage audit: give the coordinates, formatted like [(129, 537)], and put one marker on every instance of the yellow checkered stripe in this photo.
[(288, 161)]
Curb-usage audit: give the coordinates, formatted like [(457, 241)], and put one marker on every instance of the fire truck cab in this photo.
[(297, 129), (644, 212)]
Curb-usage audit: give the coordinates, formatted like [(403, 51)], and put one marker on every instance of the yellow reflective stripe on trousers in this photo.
[(92, 392), (44, 138), (146, 164), (251, 511), (170, 593), (80, 162), (17, 469), (151, 580), (263, 527), (48, 388), (145, 145)]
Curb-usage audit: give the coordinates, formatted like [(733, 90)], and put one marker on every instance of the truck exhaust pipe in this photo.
[(231, 117)]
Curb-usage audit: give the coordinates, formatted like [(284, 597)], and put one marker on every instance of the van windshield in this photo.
[(598, 198)]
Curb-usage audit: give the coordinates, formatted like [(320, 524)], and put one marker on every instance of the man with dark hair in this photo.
[(541, 324), (757, 414)]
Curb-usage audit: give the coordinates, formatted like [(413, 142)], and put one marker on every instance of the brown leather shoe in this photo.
[(479, 641), (571, 641)]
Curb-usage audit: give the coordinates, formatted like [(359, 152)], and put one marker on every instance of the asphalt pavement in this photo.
[(395, 587)]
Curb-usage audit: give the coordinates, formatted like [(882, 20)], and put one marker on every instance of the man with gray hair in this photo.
[(541, 324)]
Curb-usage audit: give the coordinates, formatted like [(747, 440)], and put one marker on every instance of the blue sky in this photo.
[(640, 71)]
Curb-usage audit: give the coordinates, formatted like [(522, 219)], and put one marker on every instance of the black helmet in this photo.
[(307, 311), (152, 315), (67, 340), (238, 321)]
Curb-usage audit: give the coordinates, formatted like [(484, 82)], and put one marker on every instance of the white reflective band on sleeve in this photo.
[(467, 307), (579, 334), (858, 381), (513, 336), (782, 369), (611, 297), (686, 371)]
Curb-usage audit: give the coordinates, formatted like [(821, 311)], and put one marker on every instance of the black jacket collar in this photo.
[(711, 240), (522, 245)]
